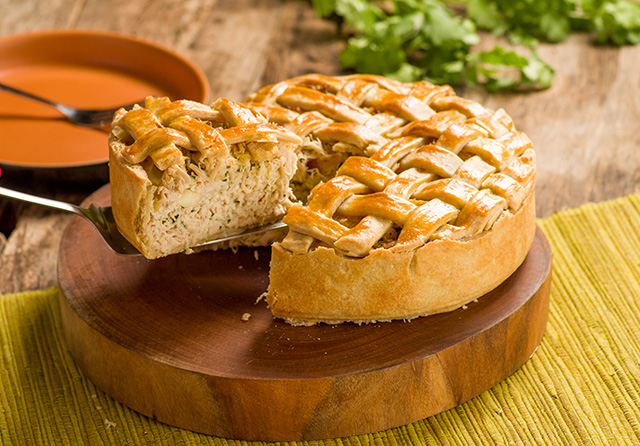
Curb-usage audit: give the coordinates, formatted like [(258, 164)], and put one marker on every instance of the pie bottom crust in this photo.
[(441, 276)]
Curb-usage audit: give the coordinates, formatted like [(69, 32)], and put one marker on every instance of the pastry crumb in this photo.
[(109, 423), (464, 307), (246, 316), (240, 267), (256, 254)]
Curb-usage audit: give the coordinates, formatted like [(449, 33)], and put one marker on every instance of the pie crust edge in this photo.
[(440, 276)]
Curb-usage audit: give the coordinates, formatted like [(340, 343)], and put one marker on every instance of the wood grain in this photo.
[(167, 338), (29, 258)]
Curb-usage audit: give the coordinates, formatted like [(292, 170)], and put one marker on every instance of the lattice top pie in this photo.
[(416, 163), (402, 199)]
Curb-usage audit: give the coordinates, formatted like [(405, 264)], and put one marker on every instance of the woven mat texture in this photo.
[(581, 387)]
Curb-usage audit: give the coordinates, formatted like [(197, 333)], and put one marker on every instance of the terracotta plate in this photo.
[(86, 69)]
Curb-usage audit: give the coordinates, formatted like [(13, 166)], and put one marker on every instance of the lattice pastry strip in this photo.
[(367, 171), (474, 171), (423, 222), (490, 150), (522, 169), (359, 240), (275, 113), (306, 123), (160, 143), (433, 126), (167, 111), (359, 138), (380, 210), (327, 198), (459, 135), (378, 204), (330, 106), (428, 92), (395, 150), (508, 188), (434, 159), (314, 224), (354, 91), (451, 190), (163, 129), (478, 215), (401, 105), (470, 109), (458, 164), (384, 124)]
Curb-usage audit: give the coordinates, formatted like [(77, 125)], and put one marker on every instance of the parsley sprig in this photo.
[(410, 40)]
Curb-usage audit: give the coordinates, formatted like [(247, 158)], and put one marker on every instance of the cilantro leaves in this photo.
[(409, 40)]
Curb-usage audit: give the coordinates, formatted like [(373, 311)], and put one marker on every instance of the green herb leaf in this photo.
[(372, 56), (486, 15), (554, 26), (537, 74), (410, 40), (617, 22), (500, 69), (360, 15), (324, 8)]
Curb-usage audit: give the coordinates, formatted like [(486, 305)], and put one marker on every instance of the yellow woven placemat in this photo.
[(581, 386)]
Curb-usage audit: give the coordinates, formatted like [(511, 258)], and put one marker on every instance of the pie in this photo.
[(426, 200), (402, 199)]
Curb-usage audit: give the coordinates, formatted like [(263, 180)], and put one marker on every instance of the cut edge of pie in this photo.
[(183, 173)]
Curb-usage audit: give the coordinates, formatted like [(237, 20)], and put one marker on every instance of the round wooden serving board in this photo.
[(167, 338)]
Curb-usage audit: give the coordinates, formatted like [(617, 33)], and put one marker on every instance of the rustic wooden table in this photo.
[(584, 127)]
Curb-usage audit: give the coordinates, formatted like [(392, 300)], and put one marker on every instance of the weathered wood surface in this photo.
[(584, 127)]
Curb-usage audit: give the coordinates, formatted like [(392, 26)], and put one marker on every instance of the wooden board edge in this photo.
[(308, 409)]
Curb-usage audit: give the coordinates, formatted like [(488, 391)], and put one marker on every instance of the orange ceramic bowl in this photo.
[(85, 69)]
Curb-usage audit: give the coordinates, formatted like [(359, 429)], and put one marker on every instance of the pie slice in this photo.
[(183, 173), (421, 201)]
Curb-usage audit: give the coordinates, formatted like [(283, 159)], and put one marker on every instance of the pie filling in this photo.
[(203, 172)]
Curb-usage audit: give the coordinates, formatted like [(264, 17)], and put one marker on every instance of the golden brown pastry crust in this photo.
[(414, 201), (131, 197), (440, 276), (431, 206)]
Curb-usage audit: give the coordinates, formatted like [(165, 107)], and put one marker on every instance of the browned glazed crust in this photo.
[(130, 194), (443, 275)]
